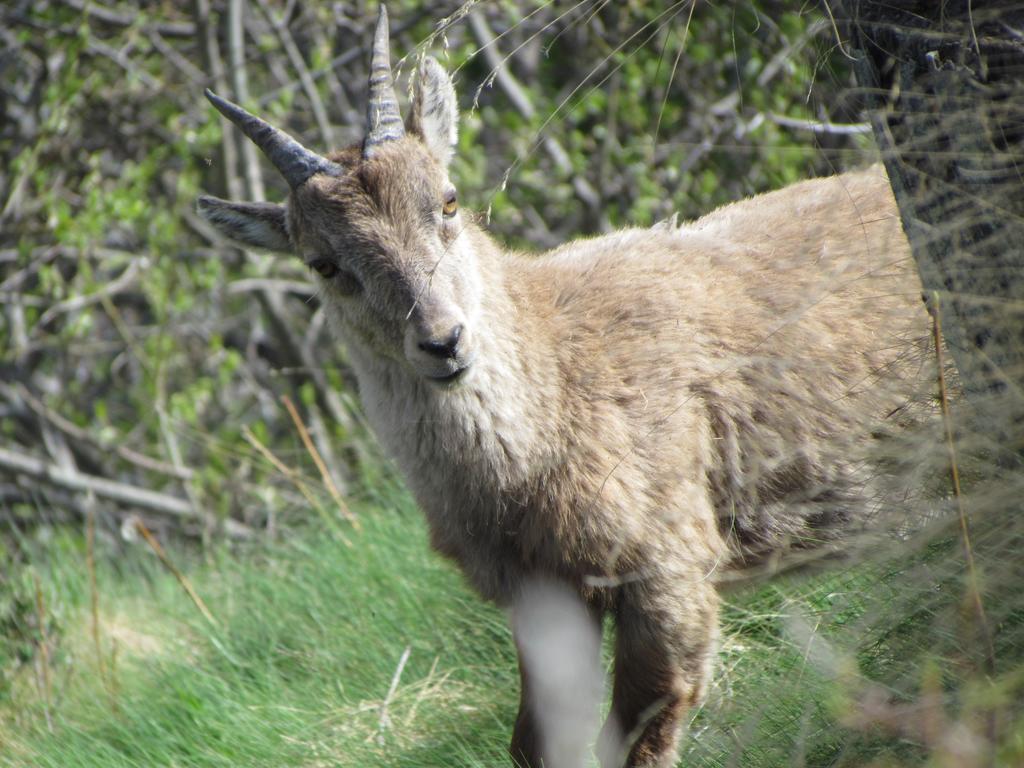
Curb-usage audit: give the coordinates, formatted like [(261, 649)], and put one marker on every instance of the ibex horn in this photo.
[(383, 120), (294, 161)]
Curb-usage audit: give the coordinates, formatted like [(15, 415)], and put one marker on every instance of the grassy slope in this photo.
[(309, 636)]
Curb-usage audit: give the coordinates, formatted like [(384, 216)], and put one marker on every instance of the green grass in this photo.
[(309, 634), (308, 639)]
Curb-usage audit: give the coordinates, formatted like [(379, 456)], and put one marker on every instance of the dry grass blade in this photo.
[(279, 465), (672, 75), (973, 586), (181, 577), (292, 475), (517, 96), (385, 720), (318, 460)]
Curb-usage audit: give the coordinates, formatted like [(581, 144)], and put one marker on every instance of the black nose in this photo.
[(446, 347)]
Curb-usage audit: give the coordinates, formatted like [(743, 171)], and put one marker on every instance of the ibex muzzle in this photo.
[(438, 342), (624, 419)]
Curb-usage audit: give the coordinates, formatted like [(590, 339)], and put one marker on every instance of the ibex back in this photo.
[(628, 417)]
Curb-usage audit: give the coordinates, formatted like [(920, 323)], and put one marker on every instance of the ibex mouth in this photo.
[(449, 378)]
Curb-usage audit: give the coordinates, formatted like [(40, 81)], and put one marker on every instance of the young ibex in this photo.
[(629, 416)]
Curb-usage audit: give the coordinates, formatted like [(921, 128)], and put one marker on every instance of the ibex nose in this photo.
[(446, 347)]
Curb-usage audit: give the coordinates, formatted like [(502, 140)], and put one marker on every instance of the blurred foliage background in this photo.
[(158, 381)]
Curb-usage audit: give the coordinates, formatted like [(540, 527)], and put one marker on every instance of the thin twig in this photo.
[(125, 332), (338, 95), (43, 255), (351, 54), (181, 577), (947, 420), (318, 460), (38, 258), (121, 57), (296, 479), (776, 63)]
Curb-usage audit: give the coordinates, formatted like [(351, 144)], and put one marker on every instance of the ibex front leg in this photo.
[(558, 639), (665, 643)]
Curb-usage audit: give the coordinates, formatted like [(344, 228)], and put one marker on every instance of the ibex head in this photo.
[(378, 222)]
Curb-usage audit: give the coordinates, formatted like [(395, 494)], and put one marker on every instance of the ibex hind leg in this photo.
[(666, 637)]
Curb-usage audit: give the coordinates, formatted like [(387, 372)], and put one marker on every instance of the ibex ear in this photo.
[(261, 225), (435, 115)]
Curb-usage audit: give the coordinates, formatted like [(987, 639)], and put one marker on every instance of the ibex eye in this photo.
[(326, 269), (451, 203)]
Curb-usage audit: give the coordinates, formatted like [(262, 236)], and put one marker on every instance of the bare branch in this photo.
[(284, 36), (169, 52), (99, 12), (818, 126), (215, 66), (40, 409), (123, 493), (240, 81), (112, 288)]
